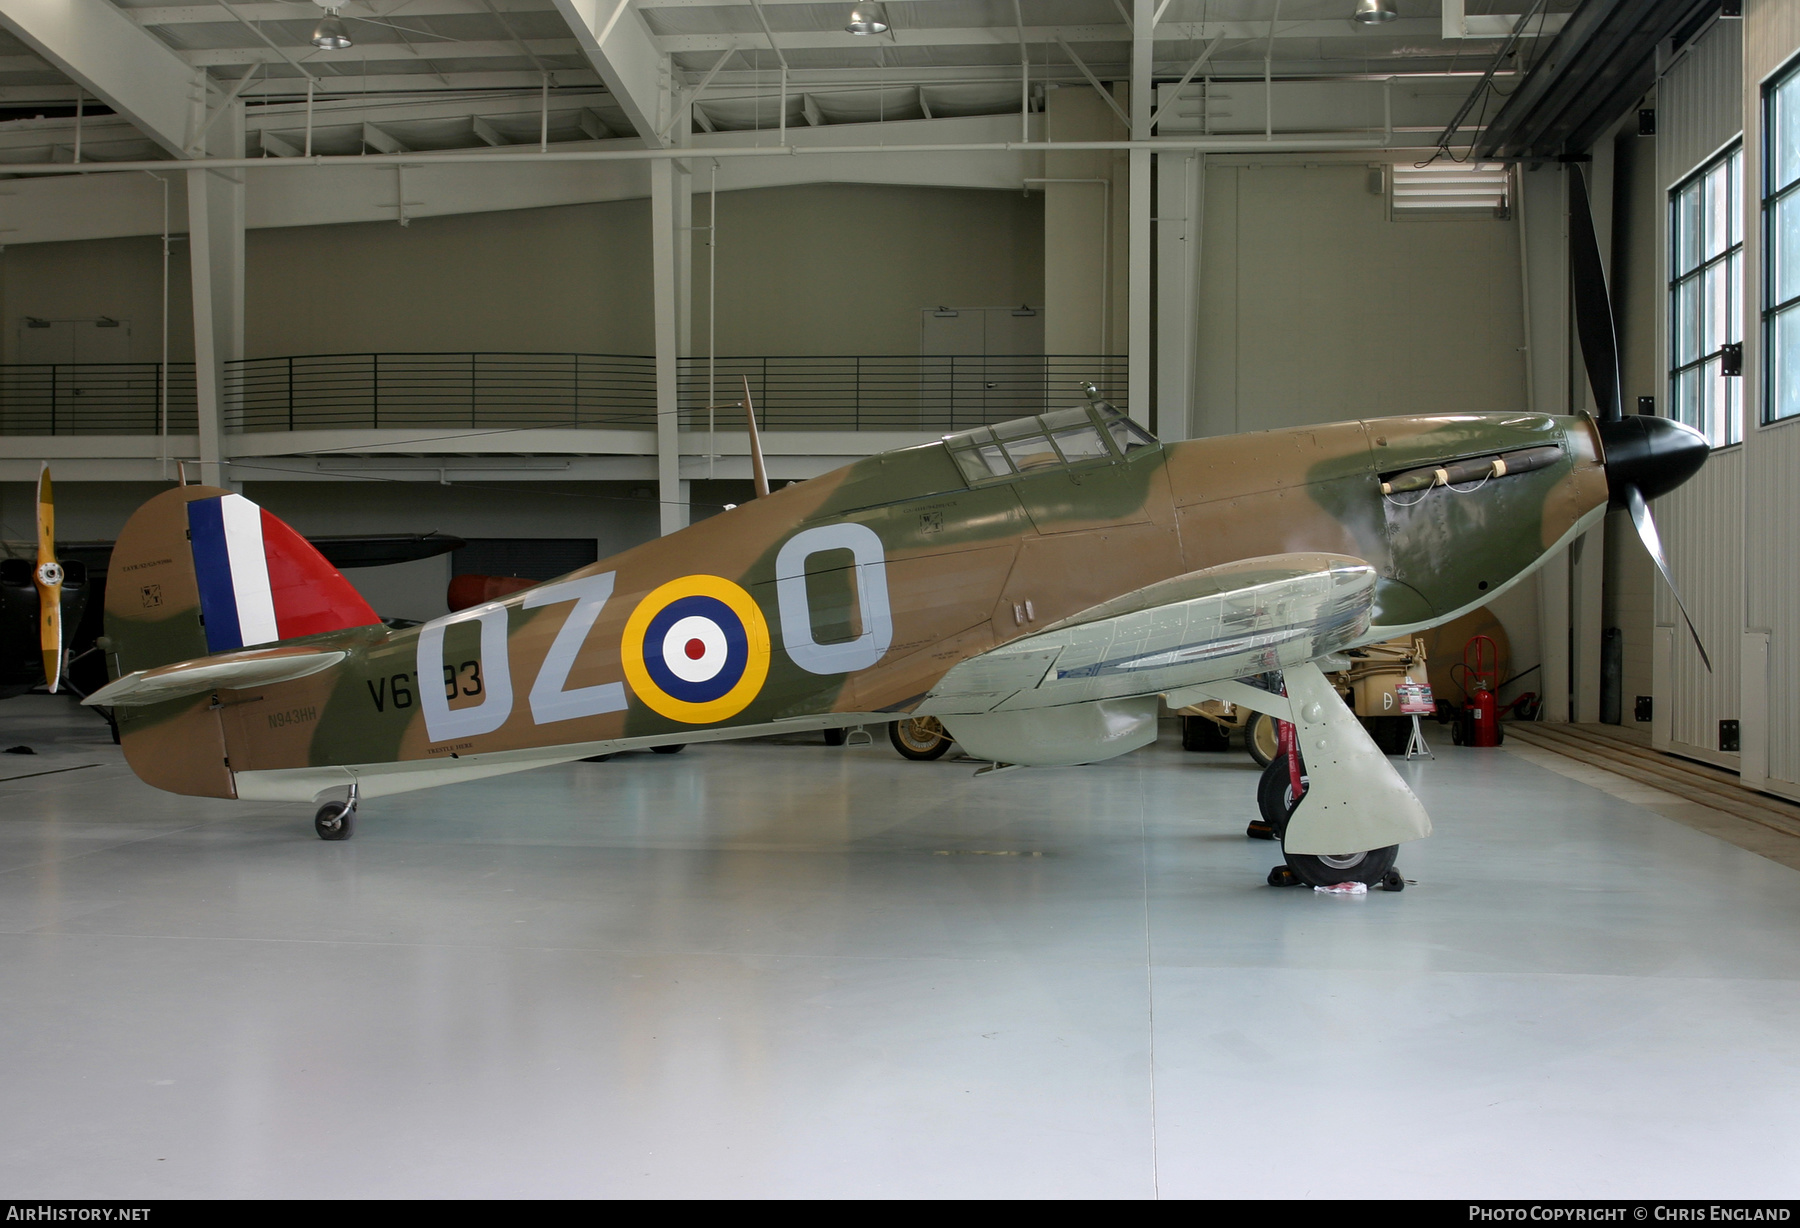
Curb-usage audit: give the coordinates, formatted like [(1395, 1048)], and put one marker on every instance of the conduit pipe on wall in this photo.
[(1525, 292), (162, 373), (419, 160)]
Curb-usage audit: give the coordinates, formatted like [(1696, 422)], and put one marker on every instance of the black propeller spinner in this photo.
[(1646, 456)]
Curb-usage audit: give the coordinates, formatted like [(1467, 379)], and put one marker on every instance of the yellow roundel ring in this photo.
[(696, 650)]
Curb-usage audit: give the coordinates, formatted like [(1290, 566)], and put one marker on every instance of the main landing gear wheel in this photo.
[(1275, 799), (1261, 740), (335, 820), (835, 737), (674, 749), (919, 737)]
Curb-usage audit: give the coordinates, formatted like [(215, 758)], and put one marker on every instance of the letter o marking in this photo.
[(871, 599)]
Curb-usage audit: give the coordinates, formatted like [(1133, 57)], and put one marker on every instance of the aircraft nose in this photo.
[(1653, 454)]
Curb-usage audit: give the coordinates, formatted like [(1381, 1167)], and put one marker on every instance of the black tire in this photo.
[(335, 821), (919, 738), (674, 748), (1391, 733), (1204, 734), (1260, 739), (1275, 797), (1322, 871), (835, 737)]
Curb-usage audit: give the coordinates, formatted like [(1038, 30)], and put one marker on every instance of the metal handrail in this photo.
[(504, 390), (96, 398), (501, 390)]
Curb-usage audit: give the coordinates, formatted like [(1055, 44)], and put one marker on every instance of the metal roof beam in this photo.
[(382, 140), (1007, 35), (615, 40), (217, 57), (1596, 63), (99, 48), (212, 14), (350, 87)]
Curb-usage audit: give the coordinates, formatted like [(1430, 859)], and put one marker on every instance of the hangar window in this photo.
[(1781, 231), (1706, 312)]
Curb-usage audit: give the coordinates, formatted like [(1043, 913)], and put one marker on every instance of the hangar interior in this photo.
[(507, 271)]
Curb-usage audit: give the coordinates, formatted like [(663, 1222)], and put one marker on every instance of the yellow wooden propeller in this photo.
[(49, 578)]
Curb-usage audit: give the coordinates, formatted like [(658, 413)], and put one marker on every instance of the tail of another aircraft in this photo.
[(199, 570)]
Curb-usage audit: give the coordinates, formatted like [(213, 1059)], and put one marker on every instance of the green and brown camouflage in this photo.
[(855, 593)]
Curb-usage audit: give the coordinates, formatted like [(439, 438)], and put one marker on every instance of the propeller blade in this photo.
[(1593, 304), (49, 578), (1646, 527)]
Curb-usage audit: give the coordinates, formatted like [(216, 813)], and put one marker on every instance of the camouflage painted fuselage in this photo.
[(967, 567)]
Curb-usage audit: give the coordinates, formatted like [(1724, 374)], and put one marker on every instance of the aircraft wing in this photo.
[(1224, 622), (226, 670)]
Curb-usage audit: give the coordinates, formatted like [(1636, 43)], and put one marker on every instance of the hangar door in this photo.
[(74, 341), (980, 364)]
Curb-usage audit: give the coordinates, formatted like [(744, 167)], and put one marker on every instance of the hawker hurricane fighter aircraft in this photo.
[(1040, 586)]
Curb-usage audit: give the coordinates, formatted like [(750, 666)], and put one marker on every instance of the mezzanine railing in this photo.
[(499, 391), (96, 398)]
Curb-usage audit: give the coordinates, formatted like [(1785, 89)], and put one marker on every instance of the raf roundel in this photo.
[(696, 650)]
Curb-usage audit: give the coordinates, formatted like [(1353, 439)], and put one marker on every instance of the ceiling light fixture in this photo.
[(867, 19), (1375, 12), (330, 34)]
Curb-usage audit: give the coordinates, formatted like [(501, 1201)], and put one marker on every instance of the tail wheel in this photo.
[(335, 821), (1260, 739), (919, 737), (1275, 798), (835, 737), (674, 749)]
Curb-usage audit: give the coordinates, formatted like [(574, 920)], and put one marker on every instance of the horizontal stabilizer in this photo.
[(226, 671)]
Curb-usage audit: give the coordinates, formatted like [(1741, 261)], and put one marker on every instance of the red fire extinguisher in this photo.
[(1482, 680)]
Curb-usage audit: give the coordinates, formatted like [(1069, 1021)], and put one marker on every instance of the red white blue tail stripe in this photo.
[(260, 581), (233, 569)]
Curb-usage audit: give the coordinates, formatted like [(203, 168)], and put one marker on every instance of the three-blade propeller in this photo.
[(49, 580), (1645, 457)]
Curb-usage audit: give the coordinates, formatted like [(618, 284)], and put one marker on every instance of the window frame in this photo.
[(1770, 198), (1034, 426), (1674, 369)]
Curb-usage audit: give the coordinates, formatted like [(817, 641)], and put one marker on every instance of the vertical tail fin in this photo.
[(198, 570)]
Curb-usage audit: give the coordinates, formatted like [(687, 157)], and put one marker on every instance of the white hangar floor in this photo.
[(792, 970)]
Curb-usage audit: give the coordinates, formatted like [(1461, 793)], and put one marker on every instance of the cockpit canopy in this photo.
[(1061, 439)]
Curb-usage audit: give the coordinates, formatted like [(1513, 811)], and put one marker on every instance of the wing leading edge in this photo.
[(1224, 622)]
